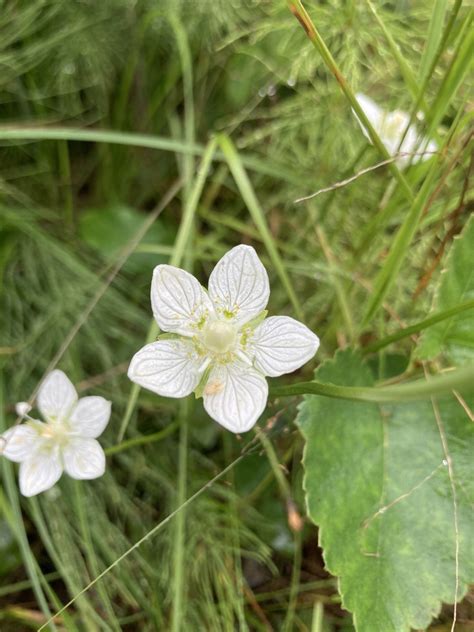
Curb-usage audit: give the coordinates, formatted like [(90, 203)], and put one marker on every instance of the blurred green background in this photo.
[(165, 75)]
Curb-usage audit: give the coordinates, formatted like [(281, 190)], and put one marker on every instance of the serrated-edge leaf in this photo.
[(395, 570), (455, 286)]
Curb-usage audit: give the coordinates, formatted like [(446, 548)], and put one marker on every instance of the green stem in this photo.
[(84, 525), (317, 624), (26, 584), (336, 282), (193, 195), (151, 438), (234, 540), (388, 273), (158, 527), (420, 389), (186, 225), (275, 464), (285, 491), (179, 533), (135, 389), (187, 75), (295, 582), (417, 327)]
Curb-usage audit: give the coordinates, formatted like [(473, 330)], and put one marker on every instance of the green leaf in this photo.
[(108, 230), (454, 336), (377, 487)]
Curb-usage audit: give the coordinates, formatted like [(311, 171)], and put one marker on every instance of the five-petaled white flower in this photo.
[(223, 345), (66, 441), (391, 126)]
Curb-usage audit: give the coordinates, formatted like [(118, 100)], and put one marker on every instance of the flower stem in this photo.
[(234, 541), (285, 492), (179, 539), (142, 440), (419, 389)]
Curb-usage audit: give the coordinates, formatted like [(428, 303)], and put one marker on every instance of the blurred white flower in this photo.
[(224, 346), (391, 126), (66, 441), (22, 409)]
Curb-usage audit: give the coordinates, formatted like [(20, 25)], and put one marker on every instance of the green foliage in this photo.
[(107, 230), (454, 336), (391, 520), (434, 36), (107, 107), (9, 559)]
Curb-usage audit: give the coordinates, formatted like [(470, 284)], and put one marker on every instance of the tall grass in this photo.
[(106, 107)]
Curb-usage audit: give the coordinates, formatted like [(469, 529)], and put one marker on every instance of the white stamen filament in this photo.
[(204, 365)]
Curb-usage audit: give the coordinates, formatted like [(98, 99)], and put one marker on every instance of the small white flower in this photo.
[(391, 126), (223, 348), (22, 409), (66, 441)]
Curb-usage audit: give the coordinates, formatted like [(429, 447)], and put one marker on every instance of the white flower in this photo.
[(224, 347), (22, 409), (66, 441), (391, 126)]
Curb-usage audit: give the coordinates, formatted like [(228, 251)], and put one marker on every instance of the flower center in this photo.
[(54, 434), (219, 337), (48, 432)]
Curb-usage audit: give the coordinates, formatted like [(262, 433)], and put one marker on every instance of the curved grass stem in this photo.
[(419, 389)]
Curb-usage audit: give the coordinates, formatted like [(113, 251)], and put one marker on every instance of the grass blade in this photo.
[(420, 326), (434, 37), (132, 139), (248, 194), (460, 66), (147, 536), (388, 273)]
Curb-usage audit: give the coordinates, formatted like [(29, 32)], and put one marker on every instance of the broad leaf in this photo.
[(109, 229), (396, 565), (454, 336)]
